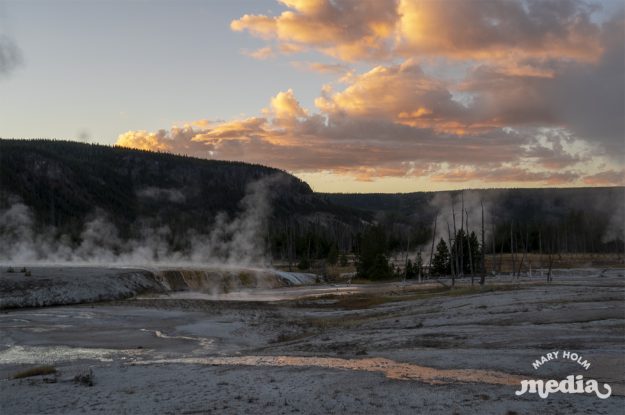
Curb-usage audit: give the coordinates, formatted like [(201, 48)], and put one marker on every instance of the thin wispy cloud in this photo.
[(10, 55)]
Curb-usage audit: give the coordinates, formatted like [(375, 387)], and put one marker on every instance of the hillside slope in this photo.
[(63, 182), (98, 201), (70, 201)]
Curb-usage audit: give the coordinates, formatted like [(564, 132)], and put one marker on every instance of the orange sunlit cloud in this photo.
[(338, 28), (529, 93), (296, 140), (507, 174), (472, 30), (606, 178)]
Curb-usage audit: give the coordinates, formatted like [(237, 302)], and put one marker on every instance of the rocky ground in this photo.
[(385, 348)]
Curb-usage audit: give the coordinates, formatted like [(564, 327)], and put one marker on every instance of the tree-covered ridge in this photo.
[(68, 185), (583, 219), (64, 183)]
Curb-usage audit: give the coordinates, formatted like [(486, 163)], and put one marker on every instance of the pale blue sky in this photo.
[(106, 67)]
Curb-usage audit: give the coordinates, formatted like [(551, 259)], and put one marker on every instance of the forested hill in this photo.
[(64, 182), (518, 204), (60, 187), (582, 219)]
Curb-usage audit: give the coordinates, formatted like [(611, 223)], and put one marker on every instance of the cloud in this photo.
[(298, 140), (326, 68), (481, 92), (10, 55), (498, 29), (284, 106), (383, 29), (585, 97), (590, 98), (549, 150), (555, 63), (402, 94), (348, 29), (262, 53), (144, 140), (507, 174), (606, 178)]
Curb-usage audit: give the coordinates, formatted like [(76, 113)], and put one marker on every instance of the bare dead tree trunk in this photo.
[(420, 270), (462, 232), (451, 263), (433, 239), (454, 249), (406, 258), (540, 249), (527, 246), (494, 230), (550, 262), (470, 251), (512, 249), (483, 270), (550, 265), (289, 239), (501, 256), (523, 257)]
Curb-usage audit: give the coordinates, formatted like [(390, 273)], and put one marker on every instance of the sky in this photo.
[(349, 95)]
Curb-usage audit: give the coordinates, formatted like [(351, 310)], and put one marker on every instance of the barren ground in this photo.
[(383, 348)]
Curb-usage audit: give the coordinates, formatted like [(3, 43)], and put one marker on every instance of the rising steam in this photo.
[(231, 241)]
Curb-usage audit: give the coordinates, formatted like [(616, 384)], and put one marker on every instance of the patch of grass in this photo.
[(247, 280), (352, 302), (34, 371), (363, 281), (323, 323), (364, 301), (288, 337)]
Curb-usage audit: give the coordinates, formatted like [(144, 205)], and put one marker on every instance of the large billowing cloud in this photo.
[(290, 137), (348, 29), (497, 29), (374, 29), (499, 92)]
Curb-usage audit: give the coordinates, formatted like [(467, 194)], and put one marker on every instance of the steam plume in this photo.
[(231, 241)]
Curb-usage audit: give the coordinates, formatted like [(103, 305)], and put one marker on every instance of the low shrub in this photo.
[(34, 371)]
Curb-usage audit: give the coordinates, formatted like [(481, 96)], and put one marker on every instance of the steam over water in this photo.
[(70, 285)]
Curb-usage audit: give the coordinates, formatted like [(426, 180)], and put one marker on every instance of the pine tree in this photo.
[(410, 273), (333, 255), (440, 263), (372, 261)]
